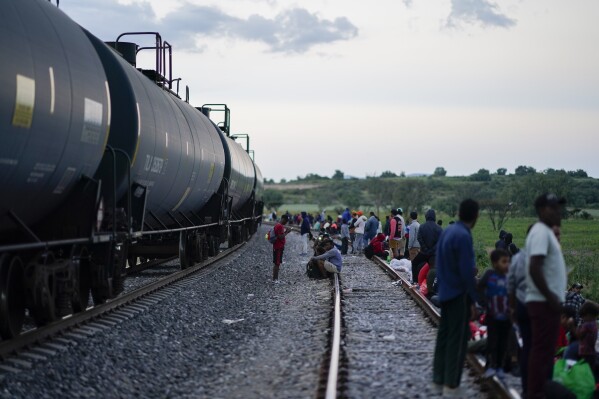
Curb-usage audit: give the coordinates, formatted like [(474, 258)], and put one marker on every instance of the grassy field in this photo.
[(580, 244)]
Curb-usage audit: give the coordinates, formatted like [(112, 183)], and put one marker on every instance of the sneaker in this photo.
[(459, 392), (276, 281), (490, 373), (437, 389)]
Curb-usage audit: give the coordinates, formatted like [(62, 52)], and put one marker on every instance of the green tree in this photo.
[(381, 192), (388, 173), (525, 170), (273, 198), (481, 175), (440, 171), (525, 190), (411, 194), (339, 175), (501, 171), (578, 173), (498, 211)]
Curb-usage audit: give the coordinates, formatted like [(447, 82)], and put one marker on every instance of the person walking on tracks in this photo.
[(279, 246), (305, 233), (546, 282), (457, 293), (396, 234)]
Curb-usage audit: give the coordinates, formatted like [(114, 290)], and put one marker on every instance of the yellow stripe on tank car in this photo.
[(24, 102), (187, 191)]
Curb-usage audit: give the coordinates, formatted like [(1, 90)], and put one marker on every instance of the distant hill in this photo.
[(495, 192)]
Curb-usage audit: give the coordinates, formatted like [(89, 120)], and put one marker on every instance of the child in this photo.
[(587, 332), (493, 288)]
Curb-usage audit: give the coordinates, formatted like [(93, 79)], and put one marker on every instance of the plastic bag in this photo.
[(577, 377)]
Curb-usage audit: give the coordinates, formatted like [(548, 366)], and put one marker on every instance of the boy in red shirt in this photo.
[(279, 246)]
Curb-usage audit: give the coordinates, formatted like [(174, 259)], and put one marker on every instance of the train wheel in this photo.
[(83, 283), (12, 296), (132, 260)]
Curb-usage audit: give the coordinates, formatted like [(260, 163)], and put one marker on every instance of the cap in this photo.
[(549, 199), (360, 213), (400, 211), (577, 285)]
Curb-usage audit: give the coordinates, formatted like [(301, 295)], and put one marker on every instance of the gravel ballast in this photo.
[(389, 344), (231, 334)]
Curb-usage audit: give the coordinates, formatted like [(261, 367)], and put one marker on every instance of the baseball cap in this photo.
[(549, 199), (360, 213), (577, 285)]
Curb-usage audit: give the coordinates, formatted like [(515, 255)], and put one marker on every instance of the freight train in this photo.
[(103, 165)]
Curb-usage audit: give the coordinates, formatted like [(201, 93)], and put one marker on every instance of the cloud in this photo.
[(294, 30), (477, 11)]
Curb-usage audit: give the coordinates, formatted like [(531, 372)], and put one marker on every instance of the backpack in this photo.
[(398, 227), (271, 236), (312, 271)]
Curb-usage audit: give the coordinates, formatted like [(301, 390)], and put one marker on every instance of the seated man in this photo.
[(331, 260)]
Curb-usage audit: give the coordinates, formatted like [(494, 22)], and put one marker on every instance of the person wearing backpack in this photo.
[(280, 232), (396, 234)]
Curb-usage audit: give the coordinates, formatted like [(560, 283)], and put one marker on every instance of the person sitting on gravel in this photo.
[(376, 247), (330, 261)]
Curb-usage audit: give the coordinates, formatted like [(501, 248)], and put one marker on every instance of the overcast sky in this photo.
[(400, 85)]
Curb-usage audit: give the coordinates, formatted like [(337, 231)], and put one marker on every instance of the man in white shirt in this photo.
[(546, 282)]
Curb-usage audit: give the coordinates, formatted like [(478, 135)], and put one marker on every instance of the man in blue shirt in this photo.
[(330, 261), (457, 294)]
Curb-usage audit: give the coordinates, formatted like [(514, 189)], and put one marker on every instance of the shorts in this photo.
[(277, 256), (397, 244), (329, 267)]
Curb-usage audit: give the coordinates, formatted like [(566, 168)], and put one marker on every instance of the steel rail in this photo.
[(333, 377), (475, 364), (40, 334)]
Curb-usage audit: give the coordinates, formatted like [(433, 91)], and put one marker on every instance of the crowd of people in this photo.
[(519, 306)]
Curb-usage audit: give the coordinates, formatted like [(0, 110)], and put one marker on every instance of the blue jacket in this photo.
[(456, 263), (306, 226), (372, 225), (346, 214)]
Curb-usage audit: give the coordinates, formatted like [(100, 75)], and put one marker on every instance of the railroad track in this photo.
[(37, 343), (370, 326)]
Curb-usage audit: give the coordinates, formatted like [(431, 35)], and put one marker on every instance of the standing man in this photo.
[(305, 232), (360, 224), (370, 228), (413, 244), (344, 236), (546, 283), (279, 246), (428, 236), (396, 234), (457, 293)]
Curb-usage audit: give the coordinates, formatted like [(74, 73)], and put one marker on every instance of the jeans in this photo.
[(305, 243), (497, 337), (452, 341), (526, 334), (359, 243), (545, 329)]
